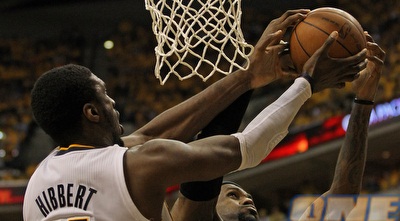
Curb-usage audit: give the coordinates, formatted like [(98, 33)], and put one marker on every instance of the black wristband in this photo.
[(364, 102), (201, 190), (309, 79)]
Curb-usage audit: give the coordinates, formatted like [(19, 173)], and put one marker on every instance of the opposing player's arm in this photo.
[(351, 161), (352, 156)]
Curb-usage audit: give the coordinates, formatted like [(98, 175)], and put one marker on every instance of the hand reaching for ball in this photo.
[(366, 85), (329, 72), (310, 33)]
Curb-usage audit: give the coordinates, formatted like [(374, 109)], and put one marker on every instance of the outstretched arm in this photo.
[(351, 161), (350, 164), (185, 120)]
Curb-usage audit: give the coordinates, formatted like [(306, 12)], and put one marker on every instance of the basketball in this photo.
[(310, 34)]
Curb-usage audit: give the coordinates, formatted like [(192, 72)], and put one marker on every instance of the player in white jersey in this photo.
[(70, 103), (89, 194)]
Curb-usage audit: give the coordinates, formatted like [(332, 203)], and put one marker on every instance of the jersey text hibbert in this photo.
[(64, 195)]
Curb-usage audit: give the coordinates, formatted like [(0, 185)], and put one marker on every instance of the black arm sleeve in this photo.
[(226, 122)]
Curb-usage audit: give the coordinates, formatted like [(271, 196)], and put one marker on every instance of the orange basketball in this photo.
[(312, 32)]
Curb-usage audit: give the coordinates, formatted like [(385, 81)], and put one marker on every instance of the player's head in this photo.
[(66, 99), (235, 204)]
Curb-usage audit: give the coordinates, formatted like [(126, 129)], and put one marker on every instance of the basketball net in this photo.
[(198, 38)]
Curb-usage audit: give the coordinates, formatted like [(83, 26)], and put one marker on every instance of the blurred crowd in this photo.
[(128, 70)]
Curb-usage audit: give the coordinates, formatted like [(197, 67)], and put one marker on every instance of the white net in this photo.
[(198, 38)]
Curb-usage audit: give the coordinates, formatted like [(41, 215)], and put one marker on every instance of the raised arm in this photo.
[(351, 160), (350, 164), (185, 120)]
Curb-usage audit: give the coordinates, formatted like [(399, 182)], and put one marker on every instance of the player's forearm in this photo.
[(185, 120), (271, 125), (351, 161)]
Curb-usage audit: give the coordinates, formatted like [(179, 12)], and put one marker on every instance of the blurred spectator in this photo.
[(276, 214)]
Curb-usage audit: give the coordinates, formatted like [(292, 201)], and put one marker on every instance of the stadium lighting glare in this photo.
[(108, 44)]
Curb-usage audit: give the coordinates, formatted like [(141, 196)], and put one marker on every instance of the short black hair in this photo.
[(58, 97)]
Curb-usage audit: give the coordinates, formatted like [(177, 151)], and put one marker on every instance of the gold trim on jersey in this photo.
[(76, 146), (83, 218)]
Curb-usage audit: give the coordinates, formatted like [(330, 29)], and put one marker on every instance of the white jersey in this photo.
[(81, 185)]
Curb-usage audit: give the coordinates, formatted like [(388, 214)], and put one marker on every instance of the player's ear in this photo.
[(91, 112)]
